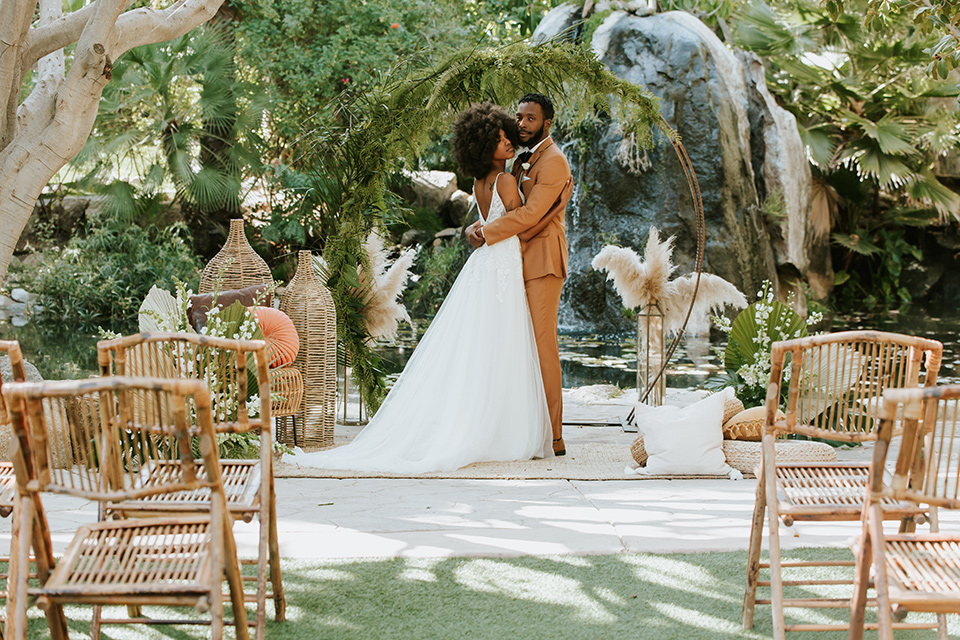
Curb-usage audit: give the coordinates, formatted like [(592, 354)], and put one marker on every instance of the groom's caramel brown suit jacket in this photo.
[(541, 226)]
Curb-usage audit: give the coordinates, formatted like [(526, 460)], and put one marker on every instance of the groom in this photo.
[(544, 178)]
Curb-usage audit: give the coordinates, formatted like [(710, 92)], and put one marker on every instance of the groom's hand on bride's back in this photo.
[(473, 234)]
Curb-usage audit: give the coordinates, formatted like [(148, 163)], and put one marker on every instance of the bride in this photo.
[(471, 391)]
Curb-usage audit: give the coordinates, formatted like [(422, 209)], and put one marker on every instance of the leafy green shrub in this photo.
[(102, 277)]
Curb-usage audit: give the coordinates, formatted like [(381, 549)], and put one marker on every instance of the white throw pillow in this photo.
[(684, 440)]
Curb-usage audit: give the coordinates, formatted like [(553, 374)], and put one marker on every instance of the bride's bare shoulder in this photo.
[(508, 190), (506, 181)]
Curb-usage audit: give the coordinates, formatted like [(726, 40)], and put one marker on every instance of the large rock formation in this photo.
[(743, 147)]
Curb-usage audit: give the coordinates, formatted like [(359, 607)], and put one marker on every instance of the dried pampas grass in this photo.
[(624, 267), (714, 294), (645, 282), (382, 309), (639, 283)]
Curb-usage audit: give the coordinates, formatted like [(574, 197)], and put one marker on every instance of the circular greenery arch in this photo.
[(379, 131)]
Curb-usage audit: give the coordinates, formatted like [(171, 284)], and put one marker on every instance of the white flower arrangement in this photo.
[(747, 356)]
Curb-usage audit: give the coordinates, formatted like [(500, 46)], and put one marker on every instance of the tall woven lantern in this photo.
[(237, 266), (310, 306), (651, 355)]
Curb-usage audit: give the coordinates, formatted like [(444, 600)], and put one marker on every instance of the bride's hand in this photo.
[(473, 234)]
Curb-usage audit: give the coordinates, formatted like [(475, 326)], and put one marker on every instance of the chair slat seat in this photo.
[(227, 367), (819, 491), (909, 571), (922, 565), (153, 557), (8, 488), (241, 484), (132, 437)]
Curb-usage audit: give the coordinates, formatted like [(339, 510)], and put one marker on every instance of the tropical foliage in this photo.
[(938, 17), (177, 114), (875, 124), (100, 278), (309, 53)]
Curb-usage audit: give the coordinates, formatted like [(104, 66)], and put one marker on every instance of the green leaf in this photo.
[(893, 135), (821, 144), (858, 242), (929, 190), (871, 162), (782, 323)]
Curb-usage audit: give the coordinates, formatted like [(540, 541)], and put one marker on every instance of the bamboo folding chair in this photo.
[(226, 366), (118, 455), (912, 572), (836, 382), (8, 481)]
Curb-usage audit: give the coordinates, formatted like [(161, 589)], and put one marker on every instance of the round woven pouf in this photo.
[(638, 452), (744, 456)]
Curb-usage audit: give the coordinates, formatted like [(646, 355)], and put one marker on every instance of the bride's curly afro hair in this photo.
[(476, 134)]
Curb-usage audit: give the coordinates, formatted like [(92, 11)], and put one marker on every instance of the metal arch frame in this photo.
[(697, 199)]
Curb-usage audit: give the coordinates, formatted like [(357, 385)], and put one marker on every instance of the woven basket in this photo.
[(310, 306), (236, 266), (745, 456), (731, 407), (638, 452)]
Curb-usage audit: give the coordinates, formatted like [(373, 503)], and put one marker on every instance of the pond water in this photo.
[(63, 353)]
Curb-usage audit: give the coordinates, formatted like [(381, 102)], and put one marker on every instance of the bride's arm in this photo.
[(509, 191)]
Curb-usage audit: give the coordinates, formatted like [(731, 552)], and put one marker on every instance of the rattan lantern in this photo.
[(310, 305), (236, 266)]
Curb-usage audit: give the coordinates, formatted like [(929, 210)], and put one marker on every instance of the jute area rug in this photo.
[(587, 461), (597, 446), (593, 453)]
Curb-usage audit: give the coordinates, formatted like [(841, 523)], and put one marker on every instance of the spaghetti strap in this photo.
[(484, 219)]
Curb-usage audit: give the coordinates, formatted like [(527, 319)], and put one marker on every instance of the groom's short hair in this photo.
[(546, 104)]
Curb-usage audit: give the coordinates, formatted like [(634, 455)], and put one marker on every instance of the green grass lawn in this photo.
[(681, 596)]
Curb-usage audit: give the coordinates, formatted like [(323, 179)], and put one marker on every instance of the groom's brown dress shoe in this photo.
[(559, 449)]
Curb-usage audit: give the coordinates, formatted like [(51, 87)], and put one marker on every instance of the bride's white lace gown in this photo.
[(471, 391)]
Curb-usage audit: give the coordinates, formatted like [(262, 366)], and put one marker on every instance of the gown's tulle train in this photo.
[(471, 391)]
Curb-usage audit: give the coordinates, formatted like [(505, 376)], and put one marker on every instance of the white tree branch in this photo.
[(45, 39), (144, 26), (15, 18), (50, 71), (61, 111)]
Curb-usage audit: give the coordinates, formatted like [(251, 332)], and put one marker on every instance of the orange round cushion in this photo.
[(277, 328)]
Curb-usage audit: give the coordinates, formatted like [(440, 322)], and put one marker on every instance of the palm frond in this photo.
[(927, 189), (857, 242), (869, 161)]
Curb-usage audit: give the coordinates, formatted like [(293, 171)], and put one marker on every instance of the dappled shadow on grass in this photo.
[(682, 596)]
